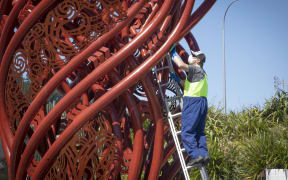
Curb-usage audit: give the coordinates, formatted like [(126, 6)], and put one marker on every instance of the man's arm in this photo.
[(178, 61)]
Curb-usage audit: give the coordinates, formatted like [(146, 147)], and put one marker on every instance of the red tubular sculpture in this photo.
[(93, 60)]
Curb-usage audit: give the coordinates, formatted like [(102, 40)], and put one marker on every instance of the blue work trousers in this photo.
[(193, 124)]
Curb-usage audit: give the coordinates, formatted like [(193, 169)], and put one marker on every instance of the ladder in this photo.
[(171, 117)]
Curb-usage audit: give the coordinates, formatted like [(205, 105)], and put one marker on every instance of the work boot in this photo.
[(195, 161)]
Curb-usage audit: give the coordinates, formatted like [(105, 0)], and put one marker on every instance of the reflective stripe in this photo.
[(196, 89)]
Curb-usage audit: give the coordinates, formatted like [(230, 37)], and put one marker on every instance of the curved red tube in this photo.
[(84, 84), (108, 76), (107, 98), (59, 76)]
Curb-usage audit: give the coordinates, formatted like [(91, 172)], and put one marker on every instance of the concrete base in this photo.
[(276, 174)]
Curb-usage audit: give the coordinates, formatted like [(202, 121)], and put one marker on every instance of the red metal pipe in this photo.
[(124, 32), (4, 123), (196, 17), (151, 45), (3, 7), (156, 112), (117, 131), (105, 67), (108, 97), (138, 145), (191, 41), (16, 39), (8, 27), (158, 119), (60, 76), (175, 167), (155, 9), (111, 111), (5, 146), (167, 21), (7, 58)]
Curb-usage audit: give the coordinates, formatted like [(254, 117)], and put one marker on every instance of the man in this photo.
[(195, 107)]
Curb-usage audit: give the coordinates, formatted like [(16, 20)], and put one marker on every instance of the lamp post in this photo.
[(224, 60)]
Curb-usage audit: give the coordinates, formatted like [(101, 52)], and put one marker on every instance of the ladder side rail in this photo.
[(170, 119), (203, 173), (174, 135), (178, 148)]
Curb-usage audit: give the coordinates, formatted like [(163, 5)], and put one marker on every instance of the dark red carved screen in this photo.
[(93, 59)]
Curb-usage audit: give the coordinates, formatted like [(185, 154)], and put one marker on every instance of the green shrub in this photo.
[(263, 151), (243, 144)]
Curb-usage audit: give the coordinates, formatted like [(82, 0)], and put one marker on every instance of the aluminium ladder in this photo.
[(171, 116)]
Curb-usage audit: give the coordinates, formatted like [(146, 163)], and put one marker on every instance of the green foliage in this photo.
[(276, 110), (244, 144), (265, 150)]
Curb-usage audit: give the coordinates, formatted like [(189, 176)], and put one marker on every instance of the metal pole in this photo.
[(224, 60)]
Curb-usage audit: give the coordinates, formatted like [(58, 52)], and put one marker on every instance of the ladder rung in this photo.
[(195, 166), (159, 69), (178, 132), (189, 167), (173, 98), (183, 149), (167, 83), (176, 115)]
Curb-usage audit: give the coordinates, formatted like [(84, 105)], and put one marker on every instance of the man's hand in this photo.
[(178, 61)]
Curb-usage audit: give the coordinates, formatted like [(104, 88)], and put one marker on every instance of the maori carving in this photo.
[(48, 46), (93, 147), (78, 97), (25, 11)]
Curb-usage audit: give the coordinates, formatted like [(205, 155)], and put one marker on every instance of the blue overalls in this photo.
[(194, 114)]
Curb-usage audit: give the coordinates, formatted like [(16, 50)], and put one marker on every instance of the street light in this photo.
[(224, 61)]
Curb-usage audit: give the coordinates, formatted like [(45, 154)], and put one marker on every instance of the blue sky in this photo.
[(256, 43)]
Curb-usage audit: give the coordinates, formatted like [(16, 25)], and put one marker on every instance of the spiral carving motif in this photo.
[(78, 96), (19, 62), (48, 46)]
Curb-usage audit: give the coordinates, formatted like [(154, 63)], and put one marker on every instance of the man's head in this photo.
[(197, 58)]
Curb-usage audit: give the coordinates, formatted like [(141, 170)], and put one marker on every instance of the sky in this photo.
[(256, 44)]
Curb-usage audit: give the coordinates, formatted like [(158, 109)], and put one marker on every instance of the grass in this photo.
[(244, 144)]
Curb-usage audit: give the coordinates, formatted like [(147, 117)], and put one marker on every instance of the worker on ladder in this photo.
[(195, 106)]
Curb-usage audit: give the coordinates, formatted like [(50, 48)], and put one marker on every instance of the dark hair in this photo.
[(202, 59)]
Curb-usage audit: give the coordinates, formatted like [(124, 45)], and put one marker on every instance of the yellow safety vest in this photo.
[(196, 89)]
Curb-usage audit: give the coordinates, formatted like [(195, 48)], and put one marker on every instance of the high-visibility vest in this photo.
[(196, 89)]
